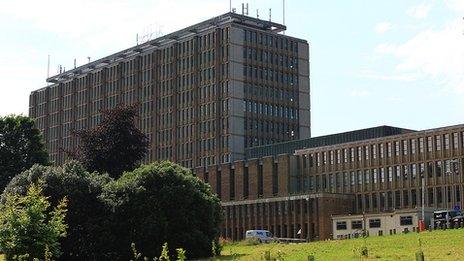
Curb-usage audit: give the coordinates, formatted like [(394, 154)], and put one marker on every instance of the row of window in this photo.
[(397, 148), (373, 223), (397, 199), (268, 74), (270, 40), (269, 93), (398, 173), (269, 57)]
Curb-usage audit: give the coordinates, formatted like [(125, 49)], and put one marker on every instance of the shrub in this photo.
[(162, 202), (87, 216), (28, 228)]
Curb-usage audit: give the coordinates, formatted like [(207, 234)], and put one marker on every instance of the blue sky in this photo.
[(392, 62)]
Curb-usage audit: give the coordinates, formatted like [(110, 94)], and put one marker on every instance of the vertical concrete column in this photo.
[(200, 173), (283, 174), (233, 223), (288, 218), (239, 168), (225, 182), (309, 219), (268, 164), (253, 178), (212, 174), (302, 221)]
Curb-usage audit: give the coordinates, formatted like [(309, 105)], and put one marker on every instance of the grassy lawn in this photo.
[(437, 245)]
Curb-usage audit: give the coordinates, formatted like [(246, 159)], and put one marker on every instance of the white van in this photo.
[(263, 236)]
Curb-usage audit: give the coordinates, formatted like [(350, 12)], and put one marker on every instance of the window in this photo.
[(429, 144), (341, 225), (421, 145), (438, 142), (406, 220), (438, 168), (405, 147), (455, 140), (374, 223), (356, 224), (413, 146)]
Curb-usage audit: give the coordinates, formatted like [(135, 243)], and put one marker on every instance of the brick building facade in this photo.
[(373, 170)]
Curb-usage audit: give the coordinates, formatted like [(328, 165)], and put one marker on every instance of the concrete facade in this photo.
[(206, 92)]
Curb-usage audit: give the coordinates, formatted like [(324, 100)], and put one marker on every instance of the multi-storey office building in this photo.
[(206, 92), (300, 184)]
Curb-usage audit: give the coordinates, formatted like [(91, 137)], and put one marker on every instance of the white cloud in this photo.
[(436, 55), (455, 5), (402, 77), (79, 29), (95, 19), (358, 93), (419, 11), (383, 27)]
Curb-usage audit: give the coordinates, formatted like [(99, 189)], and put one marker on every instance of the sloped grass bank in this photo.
[(436, 245)]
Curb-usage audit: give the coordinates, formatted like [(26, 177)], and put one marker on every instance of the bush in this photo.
[(28, 228), (87, 215), (162, 202)]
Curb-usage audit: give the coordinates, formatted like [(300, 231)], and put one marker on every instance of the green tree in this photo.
[(28, 228), (21, 146), (87, 215), (115, 145), (163, 202)]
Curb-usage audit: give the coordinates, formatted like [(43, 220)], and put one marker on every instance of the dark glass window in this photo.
[(341, 225), (356, 224), (374, 223), (406, 220)]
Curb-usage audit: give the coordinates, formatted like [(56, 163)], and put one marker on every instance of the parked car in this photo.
[(458, 221), (263, 236), (443, 218)]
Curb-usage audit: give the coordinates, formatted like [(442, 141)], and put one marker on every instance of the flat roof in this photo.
[(420, 132), (381, 214), (170, 38), (289, 147)]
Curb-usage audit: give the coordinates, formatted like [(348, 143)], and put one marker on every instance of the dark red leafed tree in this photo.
[(115, 145)]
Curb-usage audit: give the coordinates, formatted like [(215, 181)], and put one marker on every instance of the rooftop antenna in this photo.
[(243, 9), (74, 63), (283, 15), (246, 9), (48, 67), (257, 13), (270, 14), (137, 39), (230, 5), (88, 58), (61, 69)]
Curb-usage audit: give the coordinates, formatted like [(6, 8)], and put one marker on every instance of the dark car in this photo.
[(442, 218)]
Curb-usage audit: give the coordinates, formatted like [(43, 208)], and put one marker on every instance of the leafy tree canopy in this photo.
[(87, 215), (21, 146), (163, 202), (115, 145), (29, 228)]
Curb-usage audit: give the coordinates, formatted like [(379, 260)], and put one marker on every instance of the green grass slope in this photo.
[(437, 245)]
